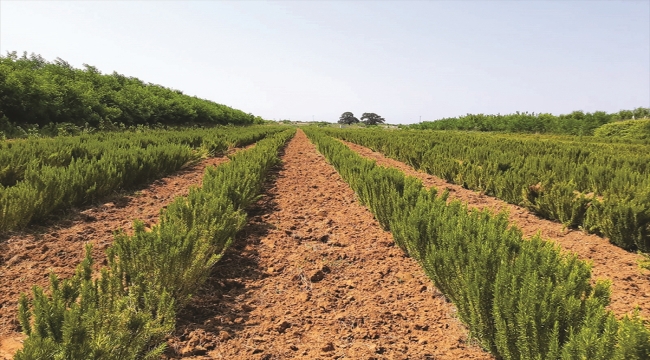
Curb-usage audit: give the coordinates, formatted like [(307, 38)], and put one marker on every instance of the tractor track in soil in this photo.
[(313, 276), (27, 257), (630, 283)]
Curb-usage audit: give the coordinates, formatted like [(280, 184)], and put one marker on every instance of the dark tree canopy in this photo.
[(348, 118), (34, 91), (372, 119)]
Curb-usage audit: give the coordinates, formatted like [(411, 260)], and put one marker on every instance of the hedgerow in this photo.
[(629, 130), (575, 123)]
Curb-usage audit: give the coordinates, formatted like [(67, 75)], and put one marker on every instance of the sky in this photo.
[(310, 60)]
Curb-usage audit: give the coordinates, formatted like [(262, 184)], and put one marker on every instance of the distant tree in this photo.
[(348, 118), (372, 119)]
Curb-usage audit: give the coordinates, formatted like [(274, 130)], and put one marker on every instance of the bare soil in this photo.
[(313, 276), (630, 283), (28, 257)]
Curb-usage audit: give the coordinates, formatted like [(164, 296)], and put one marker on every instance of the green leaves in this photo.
[(575, 123), (35, 92)]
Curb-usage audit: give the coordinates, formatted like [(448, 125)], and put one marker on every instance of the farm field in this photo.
[(41, 176), (58, 246), (339, 258), (630, 283), (318, 279), (316, 180), (598, 185), (32, 253)]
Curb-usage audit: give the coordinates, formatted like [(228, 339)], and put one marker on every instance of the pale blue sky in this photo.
[(402, 60)]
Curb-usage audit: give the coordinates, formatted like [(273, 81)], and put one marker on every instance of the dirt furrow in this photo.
[(630, 283), (313, 276), (26, 258)]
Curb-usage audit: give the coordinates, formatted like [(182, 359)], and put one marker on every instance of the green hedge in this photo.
[(521, 299), (126, 311)]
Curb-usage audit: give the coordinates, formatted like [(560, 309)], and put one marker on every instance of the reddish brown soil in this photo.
[(630, 283), (313, 276), (27, 258)]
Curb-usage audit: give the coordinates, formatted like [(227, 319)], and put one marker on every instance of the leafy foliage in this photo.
[(582, 182), (35, 93), (128, 310), (575, 123), (348, 118), (372, 119), (522, 299), (630, 129)]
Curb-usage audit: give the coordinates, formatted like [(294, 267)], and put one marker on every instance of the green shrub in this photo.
[(629, 129)]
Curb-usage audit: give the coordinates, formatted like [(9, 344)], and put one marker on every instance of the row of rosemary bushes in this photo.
[(601, 187), (127, 310), (520, 298), (40, 176)]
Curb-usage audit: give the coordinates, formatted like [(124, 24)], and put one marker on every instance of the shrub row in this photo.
[(18, 155), (521, 299), (603, 188), (126, 311), (38, 177)]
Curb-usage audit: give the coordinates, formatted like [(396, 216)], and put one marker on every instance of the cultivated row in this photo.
[(521, 298), (603, 188), (40, 176), (126, 310)]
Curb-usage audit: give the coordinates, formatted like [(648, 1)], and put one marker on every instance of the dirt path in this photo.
[(26, 258), (312, 277), (630, 283)]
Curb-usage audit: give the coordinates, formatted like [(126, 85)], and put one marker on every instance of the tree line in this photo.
[(575, 123), (47, 96)]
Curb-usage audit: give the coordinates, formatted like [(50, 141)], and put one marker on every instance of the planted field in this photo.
[(630, 285), (40, 176), (339, 258), (598, 186), (78, 315)]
